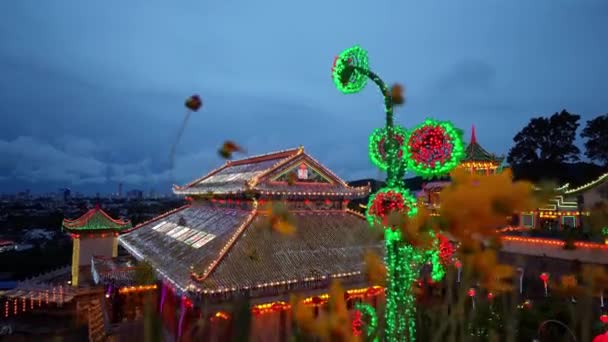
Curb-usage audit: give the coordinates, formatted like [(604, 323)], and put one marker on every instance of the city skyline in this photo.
[(93, 93)]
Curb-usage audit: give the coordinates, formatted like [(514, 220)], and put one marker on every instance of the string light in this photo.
[(550, 242), (588, 185), (136, 289), (6, 311), (369, 311)]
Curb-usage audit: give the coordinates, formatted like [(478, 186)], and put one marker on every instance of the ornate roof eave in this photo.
[(79, 224), (252, 159), (589, 185)]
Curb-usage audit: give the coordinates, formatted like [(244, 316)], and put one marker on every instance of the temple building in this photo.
[(219, 247), (93, 234), (569, 207), (477, 160)]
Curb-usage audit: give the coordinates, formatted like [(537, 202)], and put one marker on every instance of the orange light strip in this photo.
[(551, 242), (314, 300), (136, 289)]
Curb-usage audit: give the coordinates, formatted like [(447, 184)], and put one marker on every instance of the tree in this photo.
[(546, 140), (596, 135)]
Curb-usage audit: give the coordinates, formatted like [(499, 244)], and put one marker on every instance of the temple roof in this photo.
[(213, 248), (288, 172), (95, 220), (475, 153)]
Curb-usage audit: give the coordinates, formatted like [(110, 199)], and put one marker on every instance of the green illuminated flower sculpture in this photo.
[(431, 149), (378, 144), (434, 148), (349, 69)]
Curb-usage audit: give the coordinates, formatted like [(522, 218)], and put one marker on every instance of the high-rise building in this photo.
[(119, 189)]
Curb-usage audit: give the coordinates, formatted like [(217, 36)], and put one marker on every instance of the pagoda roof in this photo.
[(95, 220), (267, 175), (211, 250), (476, 153)]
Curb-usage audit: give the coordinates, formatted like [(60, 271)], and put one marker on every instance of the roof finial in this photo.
[(473, 136)]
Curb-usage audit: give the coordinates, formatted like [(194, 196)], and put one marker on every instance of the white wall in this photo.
[(90, 247)]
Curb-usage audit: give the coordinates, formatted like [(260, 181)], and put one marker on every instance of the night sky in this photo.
[(92, 92)]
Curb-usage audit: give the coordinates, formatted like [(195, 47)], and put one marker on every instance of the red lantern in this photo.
[(601, 338), (604, 318), (471, 292), (544, 277)]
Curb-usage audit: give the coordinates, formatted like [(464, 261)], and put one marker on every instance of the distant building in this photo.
[(135, 194), (93, 234), (119, 190)]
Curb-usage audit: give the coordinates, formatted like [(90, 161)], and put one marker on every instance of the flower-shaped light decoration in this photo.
[(434, 148), (378, 146), (390, 201), (346, 71)]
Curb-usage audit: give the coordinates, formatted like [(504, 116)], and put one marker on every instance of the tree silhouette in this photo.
[(596, 135), (546, 140)]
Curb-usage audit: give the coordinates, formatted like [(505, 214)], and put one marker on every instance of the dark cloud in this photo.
[(92, 94)]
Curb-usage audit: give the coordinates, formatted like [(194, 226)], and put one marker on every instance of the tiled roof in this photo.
[(258, 173), (120, 270), (209, 226), (325, 243), (95, 219)]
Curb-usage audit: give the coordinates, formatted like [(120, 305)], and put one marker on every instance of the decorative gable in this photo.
[(302, 172)]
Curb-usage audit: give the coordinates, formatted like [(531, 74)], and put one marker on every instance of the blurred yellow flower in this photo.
[(335, 326), (375, 269), (278, 218), (475, 205), (494, 277)]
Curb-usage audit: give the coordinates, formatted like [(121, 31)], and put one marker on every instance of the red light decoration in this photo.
[(471, 292), (446, 249), (604, 318), (458, 264), (357, 323), (389, 201), (544, 277), (490, 296), (434, 148)]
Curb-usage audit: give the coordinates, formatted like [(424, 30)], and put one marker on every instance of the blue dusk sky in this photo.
[(92, 92)]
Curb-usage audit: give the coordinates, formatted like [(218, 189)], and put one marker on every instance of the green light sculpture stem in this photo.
[(350, 74)]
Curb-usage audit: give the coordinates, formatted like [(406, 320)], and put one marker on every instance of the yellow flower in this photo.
[(278, 218), (335, 326), (494, 277), (375, 269), (568, 285), (475, 205)]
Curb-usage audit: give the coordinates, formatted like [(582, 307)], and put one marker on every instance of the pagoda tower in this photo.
[(478, 160), (93, 234)]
